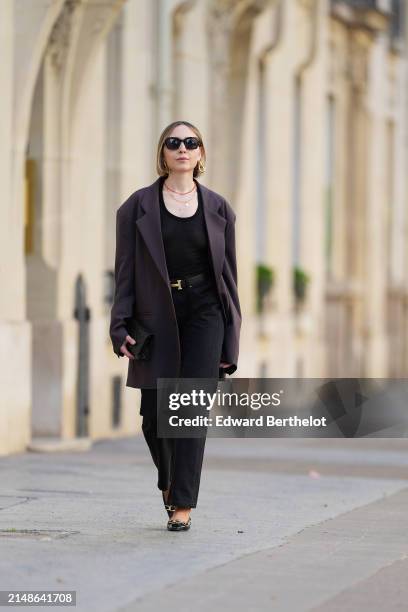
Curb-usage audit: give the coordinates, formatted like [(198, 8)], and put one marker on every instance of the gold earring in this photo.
[(201, 167)]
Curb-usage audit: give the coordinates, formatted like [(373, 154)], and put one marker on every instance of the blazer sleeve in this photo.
[(124, 296), (230, 348)]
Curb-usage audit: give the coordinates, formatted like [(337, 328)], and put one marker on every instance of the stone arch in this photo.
[(91, 25), (68, 37), (42, 18), (46, 22)]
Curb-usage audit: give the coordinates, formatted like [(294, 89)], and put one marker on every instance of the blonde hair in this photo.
[(161, 166)]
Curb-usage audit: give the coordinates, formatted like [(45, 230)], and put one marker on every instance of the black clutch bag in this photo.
[(142, 350)]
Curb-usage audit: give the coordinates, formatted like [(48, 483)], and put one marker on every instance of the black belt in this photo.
[(189, 281)]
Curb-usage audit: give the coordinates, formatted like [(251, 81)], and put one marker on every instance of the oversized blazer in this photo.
[(142, 283)]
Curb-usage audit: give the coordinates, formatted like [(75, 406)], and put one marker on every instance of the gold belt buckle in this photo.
[(177, 284)]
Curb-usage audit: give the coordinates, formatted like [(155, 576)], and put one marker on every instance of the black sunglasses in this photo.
[(173, 143)]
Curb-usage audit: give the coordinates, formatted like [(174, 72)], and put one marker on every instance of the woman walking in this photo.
[(176, 274)]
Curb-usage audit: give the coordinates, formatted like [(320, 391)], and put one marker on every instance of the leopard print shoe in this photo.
[(177, 525)]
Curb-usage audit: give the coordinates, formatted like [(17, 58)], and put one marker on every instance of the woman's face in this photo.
[(182, 160)]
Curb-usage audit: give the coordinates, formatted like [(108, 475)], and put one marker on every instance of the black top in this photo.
[(185, 240)]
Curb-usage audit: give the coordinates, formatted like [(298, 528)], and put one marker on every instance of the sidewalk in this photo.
[(281, 524)]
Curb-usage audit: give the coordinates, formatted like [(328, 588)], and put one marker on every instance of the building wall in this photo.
[(302, 105)]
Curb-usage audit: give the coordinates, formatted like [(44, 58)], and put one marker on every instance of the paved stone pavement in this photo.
[(281, 524)]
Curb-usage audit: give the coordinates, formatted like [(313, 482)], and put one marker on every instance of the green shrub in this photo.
[(265, 278), (300, 283)]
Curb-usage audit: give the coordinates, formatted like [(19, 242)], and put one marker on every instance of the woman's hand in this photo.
[(225, 365), (123, 348)]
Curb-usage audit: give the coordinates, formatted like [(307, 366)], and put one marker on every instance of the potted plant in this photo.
[(300, 281), (265, 278)]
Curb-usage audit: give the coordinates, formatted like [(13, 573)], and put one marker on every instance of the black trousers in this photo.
[(201, 329)]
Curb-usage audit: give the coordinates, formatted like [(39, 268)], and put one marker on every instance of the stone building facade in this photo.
[(303, 107)]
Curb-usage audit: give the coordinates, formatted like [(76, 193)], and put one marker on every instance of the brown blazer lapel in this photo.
[(215, 224), (150, 228)]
